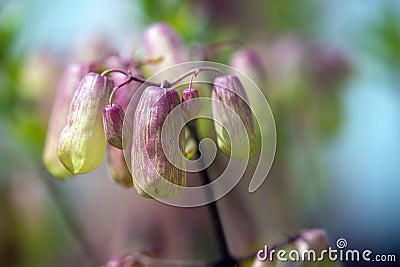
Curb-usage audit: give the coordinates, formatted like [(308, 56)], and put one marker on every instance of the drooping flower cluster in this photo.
[(89, 113)]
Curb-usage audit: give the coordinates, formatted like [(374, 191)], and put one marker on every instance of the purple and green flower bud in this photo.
[(190, 145), (314, 240), (123, 261), (82, 143), (154, 173), (72, 76), (191, 108), (118, 168), (249, 63), (160, 39), (113, 120), (229, 90), (258, 263)]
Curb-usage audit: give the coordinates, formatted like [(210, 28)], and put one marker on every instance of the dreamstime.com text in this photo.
[(339, 254)]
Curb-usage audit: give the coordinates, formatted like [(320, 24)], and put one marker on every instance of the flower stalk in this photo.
[(226, 259)]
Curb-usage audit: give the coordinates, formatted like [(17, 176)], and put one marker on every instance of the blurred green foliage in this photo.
[(178, 13), (383, 37), (32, 239), (210, 21), (19, 115)]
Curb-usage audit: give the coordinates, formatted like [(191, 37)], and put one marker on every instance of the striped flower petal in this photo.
[(82, 143)]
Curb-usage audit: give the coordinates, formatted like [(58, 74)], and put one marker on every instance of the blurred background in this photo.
[(332, 73)]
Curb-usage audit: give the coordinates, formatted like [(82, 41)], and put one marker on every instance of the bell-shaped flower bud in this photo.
[(72, 76), (118, 169), (160, 39), (326, 66), (249, 63), (113, 120), (229, 90), (259, 263), (191, 104), (155, 175), (314, 240), (82, 143), (123, 261), (190, 145)]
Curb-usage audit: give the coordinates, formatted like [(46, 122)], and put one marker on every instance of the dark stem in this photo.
[(130, 77), (227, 260), (165, 83), (116, 88)]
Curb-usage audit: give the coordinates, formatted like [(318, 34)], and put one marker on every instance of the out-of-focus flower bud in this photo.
[(82, 143), (113, 119), (327, 66), (249, 63), (190, 145), (229, 90), (160, 39), (284, 58), (72, 76), (123, 261), (191, 108), (39, 73), (118, 168), (154, 174), (259, 263), (92, 47), (314, 240)]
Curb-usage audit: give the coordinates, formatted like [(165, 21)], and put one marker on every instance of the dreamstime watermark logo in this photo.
[(234, 127), (340, 253)]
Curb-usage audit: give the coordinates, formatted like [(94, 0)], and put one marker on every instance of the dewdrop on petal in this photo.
[(71, 78), (113, 118), (229, 90), (154, 174), (82, 143)]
